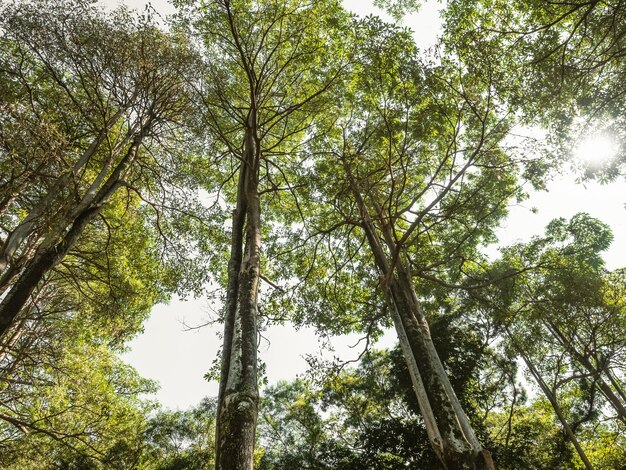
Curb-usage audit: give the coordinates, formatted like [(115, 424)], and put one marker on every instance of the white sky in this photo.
[(178, 359)]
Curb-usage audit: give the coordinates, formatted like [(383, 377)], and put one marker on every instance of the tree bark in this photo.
[(239, 396), (49, 254), (459, 447), (230, 307), (449, 431), (43, 262)]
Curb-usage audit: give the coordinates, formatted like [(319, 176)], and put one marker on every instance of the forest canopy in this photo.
[(305, 166)]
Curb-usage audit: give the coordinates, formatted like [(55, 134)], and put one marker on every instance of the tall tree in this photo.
[(91, 106), (63, 392), (75, 405), (423, 181), (84, 94), (269, 65), (561, 315)]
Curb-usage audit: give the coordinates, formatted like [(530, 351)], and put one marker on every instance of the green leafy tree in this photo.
[(89, 100), (80, 409), (181, 440), (412, 179), (562, 315), (559, 62), (268, 70), (63, 392), (368, 417), (93, 224)]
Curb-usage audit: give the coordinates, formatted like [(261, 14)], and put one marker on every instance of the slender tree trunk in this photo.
[(43, 262), (459, 447), (11, 338), (604, 387), (50, 253), (230, 307), (551, 396), (449, 431), (584, 361), (21, 332), (6, 202), (11, 271), (239, 395), (617, 386)]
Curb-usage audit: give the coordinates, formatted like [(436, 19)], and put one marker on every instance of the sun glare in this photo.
[(596, 149)]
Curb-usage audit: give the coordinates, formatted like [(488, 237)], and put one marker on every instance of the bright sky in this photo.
[(178, 359)]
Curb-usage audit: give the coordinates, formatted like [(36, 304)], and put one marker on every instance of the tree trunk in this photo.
[(239, 396), (551, 396), (453, 438), (230, 307), (43, 262), (449, 431), (49, 254), (15, 239), (11, 338)]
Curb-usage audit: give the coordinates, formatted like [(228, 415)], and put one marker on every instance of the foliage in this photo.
[(358, 170), (368, 418), (177, 440), (559, 62), (398, 8), (562, 315), (82, 93), (82, 411)]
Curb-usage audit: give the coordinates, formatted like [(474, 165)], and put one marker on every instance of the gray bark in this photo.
[(449, 431), (239, 396)]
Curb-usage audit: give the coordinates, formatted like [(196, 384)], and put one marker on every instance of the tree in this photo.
[(367, 417), (78, 408), (423, 181), (179, 439), (267, 74), (91, 105), (360, 181), (84, 95), (560, 63), (63, 391), (562, 317)]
